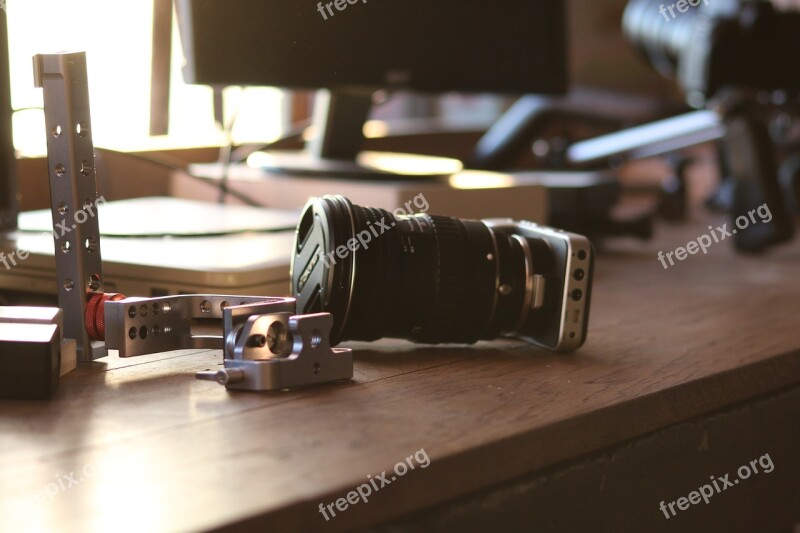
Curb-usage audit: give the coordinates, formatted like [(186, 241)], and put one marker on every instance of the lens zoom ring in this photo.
[(450, 300)]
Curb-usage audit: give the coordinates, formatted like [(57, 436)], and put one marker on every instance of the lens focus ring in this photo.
[(375, 296), (449, 303)]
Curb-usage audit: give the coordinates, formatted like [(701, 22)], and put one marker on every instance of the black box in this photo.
[(30, 361)]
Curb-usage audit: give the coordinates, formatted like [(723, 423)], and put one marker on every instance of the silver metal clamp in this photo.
[(281, 351), (265, 345)]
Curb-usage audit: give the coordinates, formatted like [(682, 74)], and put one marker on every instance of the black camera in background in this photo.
[(719, 44)]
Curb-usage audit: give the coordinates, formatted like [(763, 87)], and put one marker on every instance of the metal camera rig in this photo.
[(266, 345)]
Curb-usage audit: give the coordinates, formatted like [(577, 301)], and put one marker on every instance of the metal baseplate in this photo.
[(265, 345)]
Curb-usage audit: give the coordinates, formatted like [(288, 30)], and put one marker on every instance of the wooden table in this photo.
[(688, 373)]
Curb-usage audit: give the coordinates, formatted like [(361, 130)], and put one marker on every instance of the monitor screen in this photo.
[(500, 46)]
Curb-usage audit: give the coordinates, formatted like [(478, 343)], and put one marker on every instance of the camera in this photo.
[(737, 57), (708, 45), (434, 279)]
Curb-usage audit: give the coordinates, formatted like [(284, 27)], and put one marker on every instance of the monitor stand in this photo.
[(335, 150)]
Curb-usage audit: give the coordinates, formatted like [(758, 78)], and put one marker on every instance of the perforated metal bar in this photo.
[(139, 326), (73, 189)]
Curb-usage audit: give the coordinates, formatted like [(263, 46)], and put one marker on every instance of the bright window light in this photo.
[(117, 39)]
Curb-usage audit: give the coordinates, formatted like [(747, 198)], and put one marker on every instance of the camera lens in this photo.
[(428, 279), (662, 34), (657, 39)]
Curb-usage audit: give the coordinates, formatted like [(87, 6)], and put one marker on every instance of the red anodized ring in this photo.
[(94, 318)]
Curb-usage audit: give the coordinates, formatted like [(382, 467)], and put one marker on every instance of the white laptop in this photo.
[(161, 246)]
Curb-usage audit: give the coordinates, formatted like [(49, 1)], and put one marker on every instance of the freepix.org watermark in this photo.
[(61, 229), (3, 4), (374, 231), (717, 485), (374, 484), (340, 5), (681, 5), (49, 492), (705, 241)]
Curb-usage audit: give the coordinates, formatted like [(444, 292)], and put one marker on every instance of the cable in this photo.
[(229, 156), (179, 166), (295, 133), (224, 159), (237, 155)]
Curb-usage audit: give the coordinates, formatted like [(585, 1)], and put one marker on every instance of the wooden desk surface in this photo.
[(152, 448)]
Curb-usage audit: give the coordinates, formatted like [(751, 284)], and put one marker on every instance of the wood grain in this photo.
[(168, 452)]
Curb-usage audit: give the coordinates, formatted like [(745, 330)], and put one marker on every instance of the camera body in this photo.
[(718, 44), (563, 267), (434, 280)]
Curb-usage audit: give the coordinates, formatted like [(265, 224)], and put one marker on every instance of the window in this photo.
[(117, 38)]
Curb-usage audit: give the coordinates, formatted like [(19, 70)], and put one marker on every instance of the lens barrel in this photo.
[(428, 279), (664, 35)]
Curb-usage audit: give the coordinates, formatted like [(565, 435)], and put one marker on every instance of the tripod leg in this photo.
[(755, 176)]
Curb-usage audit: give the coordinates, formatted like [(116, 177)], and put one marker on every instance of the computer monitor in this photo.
[(352, 48)]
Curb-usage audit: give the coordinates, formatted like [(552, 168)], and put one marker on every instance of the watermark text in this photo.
[(374, 231), (718, 485), (715, 236), (374, 484), (340, 5), (60, 229), (49, 492), (681, 5)]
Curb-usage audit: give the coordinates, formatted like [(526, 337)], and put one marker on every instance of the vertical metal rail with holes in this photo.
[(73, 190)]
